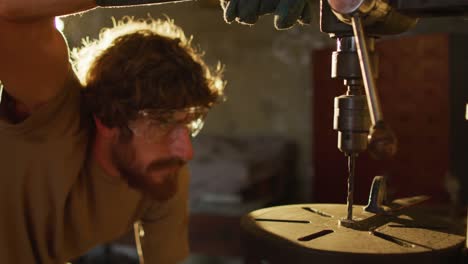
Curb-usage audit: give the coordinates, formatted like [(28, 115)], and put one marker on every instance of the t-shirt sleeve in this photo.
[(165, 227), (58, 119)]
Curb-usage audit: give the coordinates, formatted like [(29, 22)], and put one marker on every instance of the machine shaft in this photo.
[(382, 141), (350, 197), (366, 69)]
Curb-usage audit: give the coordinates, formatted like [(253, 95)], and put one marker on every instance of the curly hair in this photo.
[(143, 64)]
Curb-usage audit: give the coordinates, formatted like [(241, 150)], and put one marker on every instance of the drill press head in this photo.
[(351, 114), (379, 17), (351, 109)]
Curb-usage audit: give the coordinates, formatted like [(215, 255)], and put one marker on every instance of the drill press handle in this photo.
[(382, 140)]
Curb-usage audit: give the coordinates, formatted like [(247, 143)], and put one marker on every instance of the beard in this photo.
[(124, 158)]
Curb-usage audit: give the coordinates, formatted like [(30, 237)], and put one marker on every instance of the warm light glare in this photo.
[(1, 90), (59, 24), (219, 84), (466, 112)]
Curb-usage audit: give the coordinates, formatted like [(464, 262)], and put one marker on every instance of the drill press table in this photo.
[(310, 233)]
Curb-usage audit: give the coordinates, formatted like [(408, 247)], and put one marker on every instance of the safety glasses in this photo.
[(155, 124)]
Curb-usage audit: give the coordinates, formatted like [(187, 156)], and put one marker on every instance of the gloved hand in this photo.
[(287, 12)]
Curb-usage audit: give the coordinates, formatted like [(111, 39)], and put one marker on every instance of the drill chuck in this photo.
[(352, 121)]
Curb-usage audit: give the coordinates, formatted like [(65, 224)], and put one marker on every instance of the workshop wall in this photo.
[(267, 71)]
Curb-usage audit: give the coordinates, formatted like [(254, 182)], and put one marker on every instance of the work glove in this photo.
[(287, 12)]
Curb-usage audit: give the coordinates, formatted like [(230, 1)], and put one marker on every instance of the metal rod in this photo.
[(366, 71), (350, 198), (139, 234)]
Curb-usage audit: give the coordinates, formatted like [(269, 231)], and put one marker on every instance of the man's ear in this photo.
[(103, 129)]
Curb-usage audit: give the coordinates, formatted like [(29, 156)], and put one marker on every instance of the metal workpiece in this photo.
[(378, 199), (377, 196)]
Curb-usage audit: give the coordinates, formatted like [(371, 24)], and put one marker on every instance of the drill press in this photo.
[(344, 19), (358, 112), (383, 233)]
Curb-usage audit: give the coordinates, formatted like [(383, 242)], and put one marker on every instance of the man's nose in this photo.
[(181, 143)]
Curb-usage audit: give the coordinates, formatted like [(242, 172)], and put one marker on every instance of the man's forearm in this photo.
[(32, 9)]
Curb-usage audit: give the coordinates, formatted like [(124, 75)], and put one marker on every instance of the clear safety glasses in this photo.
[(155, 124)]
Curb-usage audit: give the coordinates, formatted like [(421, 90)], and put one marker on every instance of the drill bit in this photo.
[(350, 200)]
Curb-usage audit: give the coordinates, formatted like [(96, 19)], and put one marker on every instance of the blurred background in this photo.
[(260, 148)]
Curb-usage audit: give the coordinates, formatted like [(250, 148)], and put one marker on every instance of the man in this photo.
[(80, 170), (82, 162)]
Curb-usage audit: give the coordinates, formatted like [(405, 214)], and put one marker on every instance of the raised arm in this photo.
[(34, 55), (33, 9)]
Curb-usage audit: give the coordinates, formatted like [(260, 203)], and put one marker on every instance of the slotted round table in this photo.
[(310, 233)]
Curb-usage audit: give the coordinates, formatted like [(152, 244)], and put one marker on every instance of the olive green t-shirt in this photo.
[(56, 203)]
